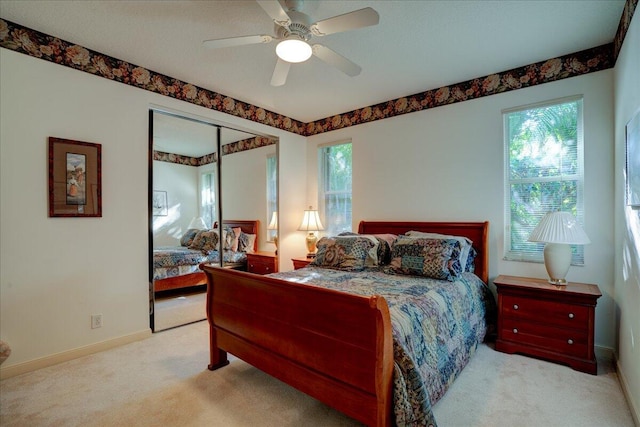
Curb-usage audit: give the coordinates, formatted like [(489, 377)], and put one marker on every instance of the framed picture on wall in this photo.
[(633, 161), (75, 178), (160, 206)]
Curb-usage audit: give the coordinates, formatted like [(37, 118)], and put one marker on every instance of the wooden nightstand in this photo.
[(300, 262), (262, 263), (543, 320)]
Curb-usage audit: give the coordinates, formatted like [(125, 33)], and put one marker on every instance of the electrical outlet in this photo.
[(96, 321)]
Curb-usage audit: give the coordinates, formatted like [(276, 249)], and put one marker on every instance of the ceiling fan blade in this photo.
[(349, 21), (280, 73), (236, 41), (275, 11), (335, 59)]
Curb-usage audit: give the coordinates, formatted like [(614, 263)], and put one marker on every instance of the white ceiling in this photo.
[(417, 46), (179, 135)]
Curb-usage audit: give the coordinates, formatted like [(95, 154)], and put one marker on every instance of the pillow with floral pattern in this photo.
[(434, 258), (348, 253), (205, 241), (188, 236)]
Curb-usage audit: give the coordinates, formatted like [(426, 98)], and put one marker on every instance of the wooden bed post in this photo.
[(217, 356), (384, 361)]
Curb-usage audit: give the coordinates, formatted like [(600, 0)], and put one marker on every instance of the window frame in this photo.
[(205, 212), (323, 167), (535, 254), (271, 192)]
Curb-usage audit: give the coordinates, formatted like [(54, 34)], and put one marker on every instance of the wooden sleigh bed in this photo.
[(296, 332), (198, 277)]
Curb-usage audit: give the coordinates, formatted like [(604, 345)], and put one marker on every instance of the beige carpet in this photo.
[(179, 309), (163, 381)]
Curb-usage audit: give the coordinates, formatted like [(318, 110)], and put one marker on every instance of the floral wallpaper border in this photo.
[(625, 20), (39, 45), (233, 147)]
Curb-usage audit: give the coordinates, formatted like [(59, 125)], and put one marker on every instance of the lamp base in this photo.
[(311, 244), (557, 259)]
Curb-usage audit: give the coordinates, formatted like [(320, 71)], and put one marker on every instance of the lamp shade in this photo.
[(311, 221), (293, 50), (559, 227), (198, 224), (273, 225), (558, 230)]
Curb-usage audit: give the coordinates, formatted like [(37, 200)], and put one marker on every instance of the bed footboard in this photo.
[(334, 346)]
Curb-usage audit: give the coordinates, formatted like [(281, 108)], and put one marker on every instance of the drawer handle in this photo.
[(515, 330), (267, 268), (570, 341), (515, 306), (571, 316)]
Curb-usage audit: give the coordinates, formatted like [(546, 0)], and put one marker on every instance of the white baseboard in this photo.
[(635, 411), (54, 359), (604, 354)]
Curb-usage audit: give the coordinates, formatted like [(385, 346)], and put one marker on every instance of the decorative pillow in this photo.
[(348, 253), (471, 264), (205, 240), (384, 250), (382, 256), (228, 237), (434, 258), (187, 237), (465, 244), (246, 242), (235, 240)]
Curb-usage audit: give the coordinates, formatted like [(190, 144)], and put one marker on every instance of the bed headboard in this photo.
[(247, 226), (478, 232)]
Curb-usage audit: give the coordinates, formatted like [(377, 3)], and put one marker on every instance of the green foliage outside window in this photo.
[(335, 187), (544, 159)]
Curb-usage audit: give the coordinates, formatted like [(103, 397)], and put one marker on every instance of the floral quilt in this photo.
[(171, 261), (437, 326)]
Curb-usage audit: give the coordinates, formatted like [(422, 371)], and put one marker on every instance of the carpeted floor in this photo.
[(179, 308), (163, 381)]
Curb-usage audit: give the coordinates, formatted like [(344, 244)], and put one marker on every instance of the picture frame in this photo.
[(632, 134), (75, 178), (159, 204)]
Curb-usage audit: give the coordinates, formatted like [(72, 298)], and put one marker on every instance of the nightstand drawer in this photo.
[(262, 263), (259, 267), (553, 313), (543, 320), (566, 341)]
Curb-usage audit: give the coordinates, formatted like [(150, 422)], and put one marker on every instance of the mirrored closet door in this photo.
[(192, 187)]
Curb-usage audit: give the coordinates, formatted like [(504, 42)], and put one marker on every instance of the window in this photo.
[(272, 192), (208, 198), (334, 192), (544, 172)]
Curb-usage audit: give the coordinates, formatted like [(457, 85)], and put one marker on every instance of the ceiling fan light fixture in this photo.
[(294, 50)]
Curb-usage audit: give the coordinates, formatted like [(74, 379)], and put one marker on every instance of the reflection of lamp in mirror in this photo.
[(197, 224), (558, 230), (273, 225), (311, 223)]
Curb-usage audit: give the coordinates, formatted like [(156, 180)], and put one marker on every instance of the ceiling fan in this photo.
[(294, 30)]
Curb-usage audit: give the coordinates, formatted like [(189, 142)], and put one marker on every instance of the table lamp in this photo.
[(273, 225), (558, 230), (197, 224), (311, 223)]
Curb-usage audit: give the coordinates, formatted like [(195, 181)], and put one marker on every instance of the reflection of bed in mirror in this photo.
[(176, 267)]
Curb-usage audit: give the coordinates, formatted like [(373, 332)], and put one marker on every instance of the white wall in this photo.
[(447, 164), (181, 184), (56, 272), (627, 233)]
